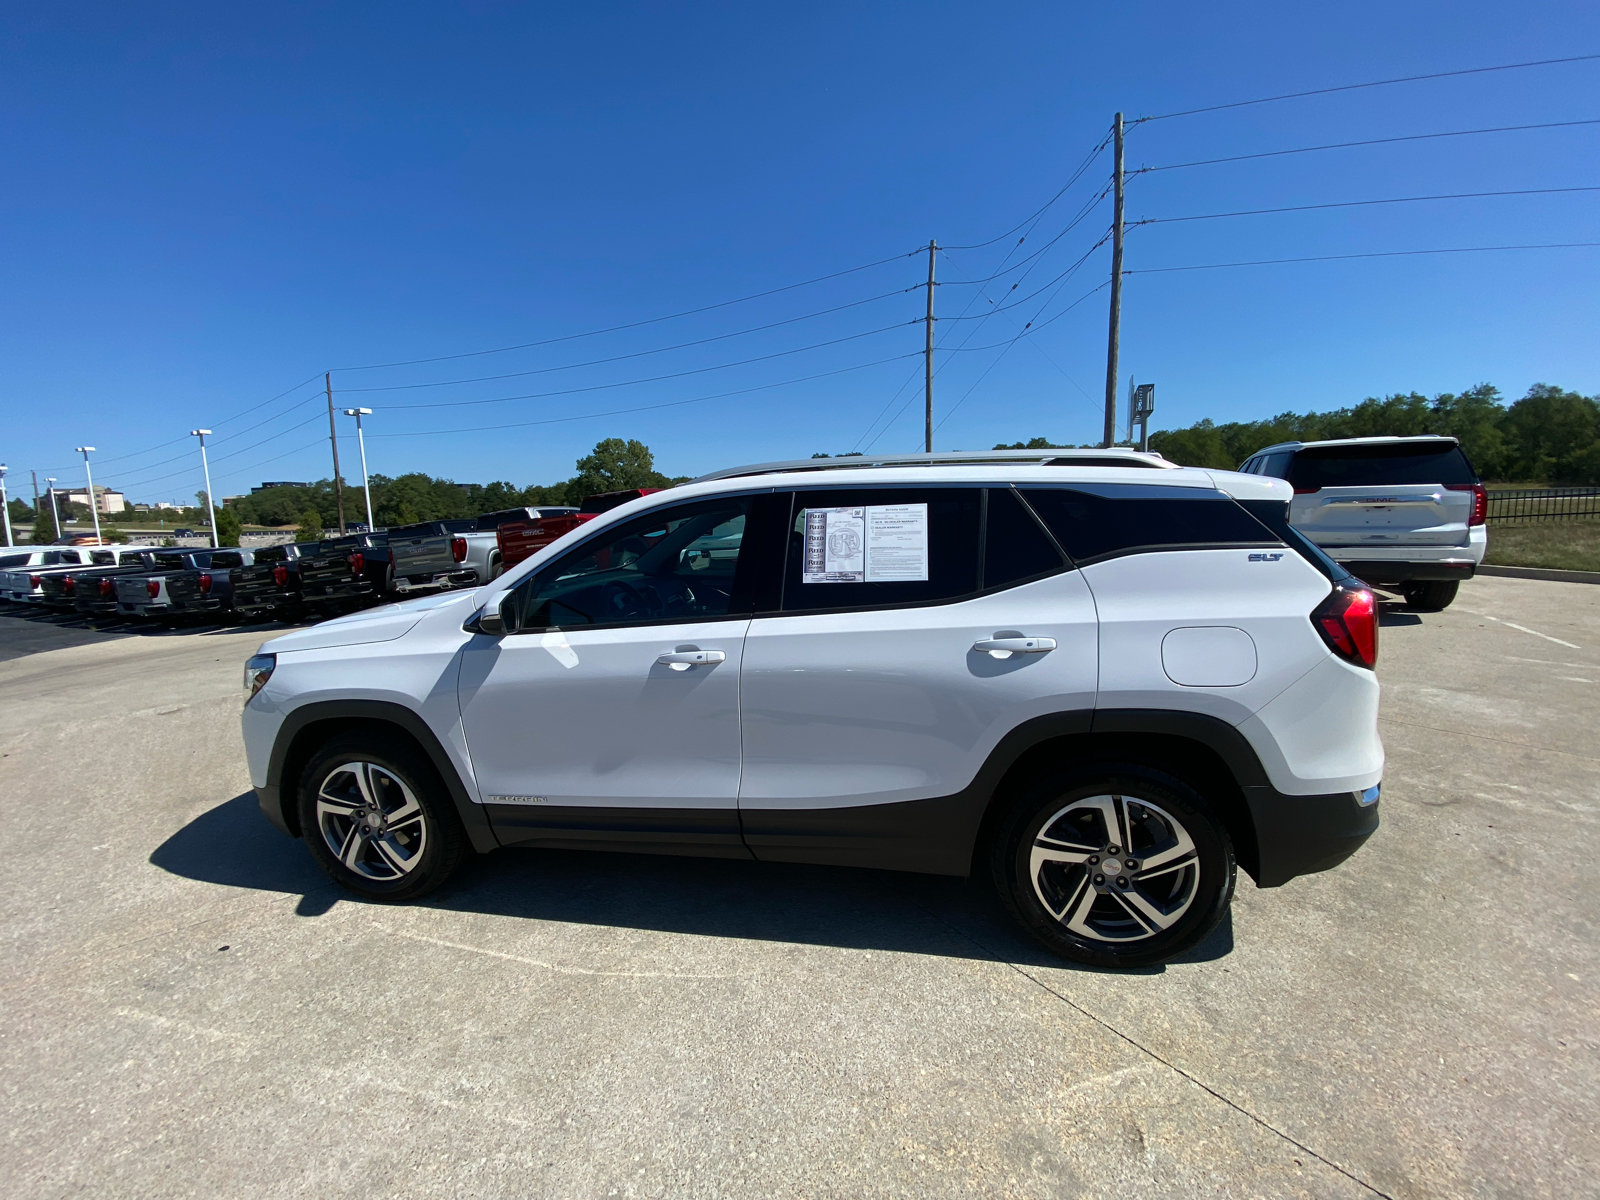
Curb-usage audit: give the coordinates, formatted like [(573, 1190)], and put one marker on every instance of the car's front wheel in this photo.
[(1114, 866), (378, 819), (1433, 596)]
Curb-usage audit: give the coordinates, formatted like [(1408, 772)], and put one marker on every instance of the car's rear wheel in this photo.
[(378, 819), (1432, 596), (1114, 866)]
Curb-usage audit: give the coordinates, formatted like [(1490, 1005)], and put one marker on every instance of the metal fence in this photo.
[(1544, 504)]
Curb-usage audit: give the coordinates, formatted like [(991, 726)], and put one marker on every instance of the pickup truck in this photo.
[(58, 587), (343, 574), (521, 538), (23, 584), (431, 554), (180, 583), (270, 586)]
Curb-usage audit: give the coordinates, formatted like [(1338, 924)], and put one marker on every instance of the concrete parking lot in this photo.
[(190, 1009)]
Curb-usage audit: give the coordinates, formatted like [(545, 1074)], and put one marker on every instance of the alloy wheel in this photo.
[(371, 821), (1114, 868)]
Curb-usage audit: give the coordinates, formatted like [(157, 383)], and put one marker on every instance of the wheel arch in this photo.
[(311, 726), (1204, 752)]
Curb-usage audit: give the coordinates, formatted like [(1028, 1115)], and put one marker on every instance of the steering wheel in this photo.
[(621, 600)]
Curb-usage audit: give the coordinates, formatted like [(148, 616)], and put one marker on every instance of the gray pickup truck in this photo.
[(454, 553), (429, 555)]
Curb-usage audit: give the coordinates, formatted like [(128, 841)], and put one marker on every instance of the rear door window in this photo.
[(1380, 465), (881, 548), (1091, 526)]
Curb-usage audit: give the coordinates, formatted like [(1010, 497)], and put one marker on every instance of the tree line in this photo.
[(614, 464), (1548, 436)]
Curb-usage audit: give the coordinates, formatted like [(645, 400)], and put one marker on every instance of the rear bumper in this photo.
[(1301, 835), (1382, 571), (427, 583)]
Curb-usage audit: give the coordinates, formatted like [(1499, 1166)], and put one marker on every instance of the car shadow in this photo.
[(233, 845)]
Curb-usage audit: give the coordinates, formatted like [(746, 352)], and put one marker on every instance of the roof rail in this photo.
[(1116, 456)]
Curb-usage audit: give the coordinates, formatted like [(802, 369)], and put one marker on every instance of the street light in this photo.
[(211, 504), (54, 511), (5, 505), (358, 413), (94, 509)]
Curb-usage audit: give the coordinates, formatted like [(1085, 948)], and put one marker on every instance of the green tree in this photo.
[(615, 464), (44, 526), (1552, 435), (310, 526), (1037, 443), (229, 527)]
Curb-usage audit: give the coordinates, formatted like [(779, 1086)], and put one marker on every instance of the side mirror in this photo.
[(500, 620)]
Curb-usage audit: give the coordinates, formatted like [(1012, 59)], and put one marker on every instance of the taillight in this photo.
[(107, 587), (153, 586), (1480, 500), (391, 556), (205, 584), (458, 549), (280, 576), (358, 563), (34, 581), (1348, 622), (1306, 491), (68, 585)]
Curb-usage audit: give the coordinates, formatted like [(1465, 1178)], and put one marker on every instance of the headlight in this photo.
[(256, 673)]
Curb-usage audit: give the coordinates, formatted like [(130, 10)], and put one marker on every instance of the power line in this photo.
[(411, 362), (668, 404), (600, 387), (220, 458), (1351, 87), (595, 362), (1266, 262), (1415, 137), (1076, 175), (1256, 212)]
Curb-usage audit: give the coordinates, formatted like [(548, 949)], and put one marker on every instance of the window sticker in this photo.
[(885, 543), (836, 545)]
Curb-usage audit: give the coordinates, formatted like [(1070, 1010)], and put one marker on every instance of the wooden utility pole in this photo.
[(927, 355), (35, 475), (333, 437), (1115, 334)]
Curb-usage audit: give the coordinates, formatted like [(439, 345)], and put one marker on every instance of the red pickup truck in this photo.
[(520, 539)]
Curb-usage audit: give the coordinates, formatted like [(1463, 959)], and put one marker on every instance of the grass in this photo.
[(1561, 545)]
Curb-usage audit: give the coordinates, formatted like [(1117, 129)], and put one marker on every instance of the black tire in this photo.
[(496, 568), (413, 856), (1193, 889), (1434, 596)]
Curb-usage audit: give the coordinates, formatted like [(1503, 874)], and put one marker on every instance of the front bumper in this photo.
[(1302, 835)]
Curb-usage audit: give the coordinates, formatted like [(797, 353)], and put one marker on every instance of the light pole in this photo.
[(54, 511), (5, 505), (211, 504), (361, 441), (94, 509)]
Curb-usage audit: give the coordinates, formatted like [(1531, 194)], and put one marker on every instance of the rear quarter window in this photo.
[(1091, 527), (1379, 465)]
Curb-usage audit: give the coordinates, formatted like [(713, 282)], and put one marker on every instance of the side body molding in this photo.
[(290, 753)]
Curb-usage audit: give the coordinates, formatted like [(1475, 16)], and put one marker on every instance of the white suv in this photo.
[(1400, 512), (1101, 678)]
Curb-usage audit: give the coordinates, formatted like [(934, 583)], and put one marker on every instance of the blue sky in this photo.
[(204, 204)]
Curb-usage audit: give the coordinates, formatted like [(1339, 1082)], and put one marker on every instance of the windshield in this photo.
[(1380, 465)]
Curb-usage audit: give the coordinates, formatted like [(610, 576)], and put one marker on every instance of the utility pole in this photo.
[(333, 437), (927, 354), (1115, 334), (35, 477)]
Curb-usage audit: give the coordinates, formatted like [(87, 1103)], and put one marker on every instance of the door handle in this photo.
[(1007, 646), (682, 660)]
